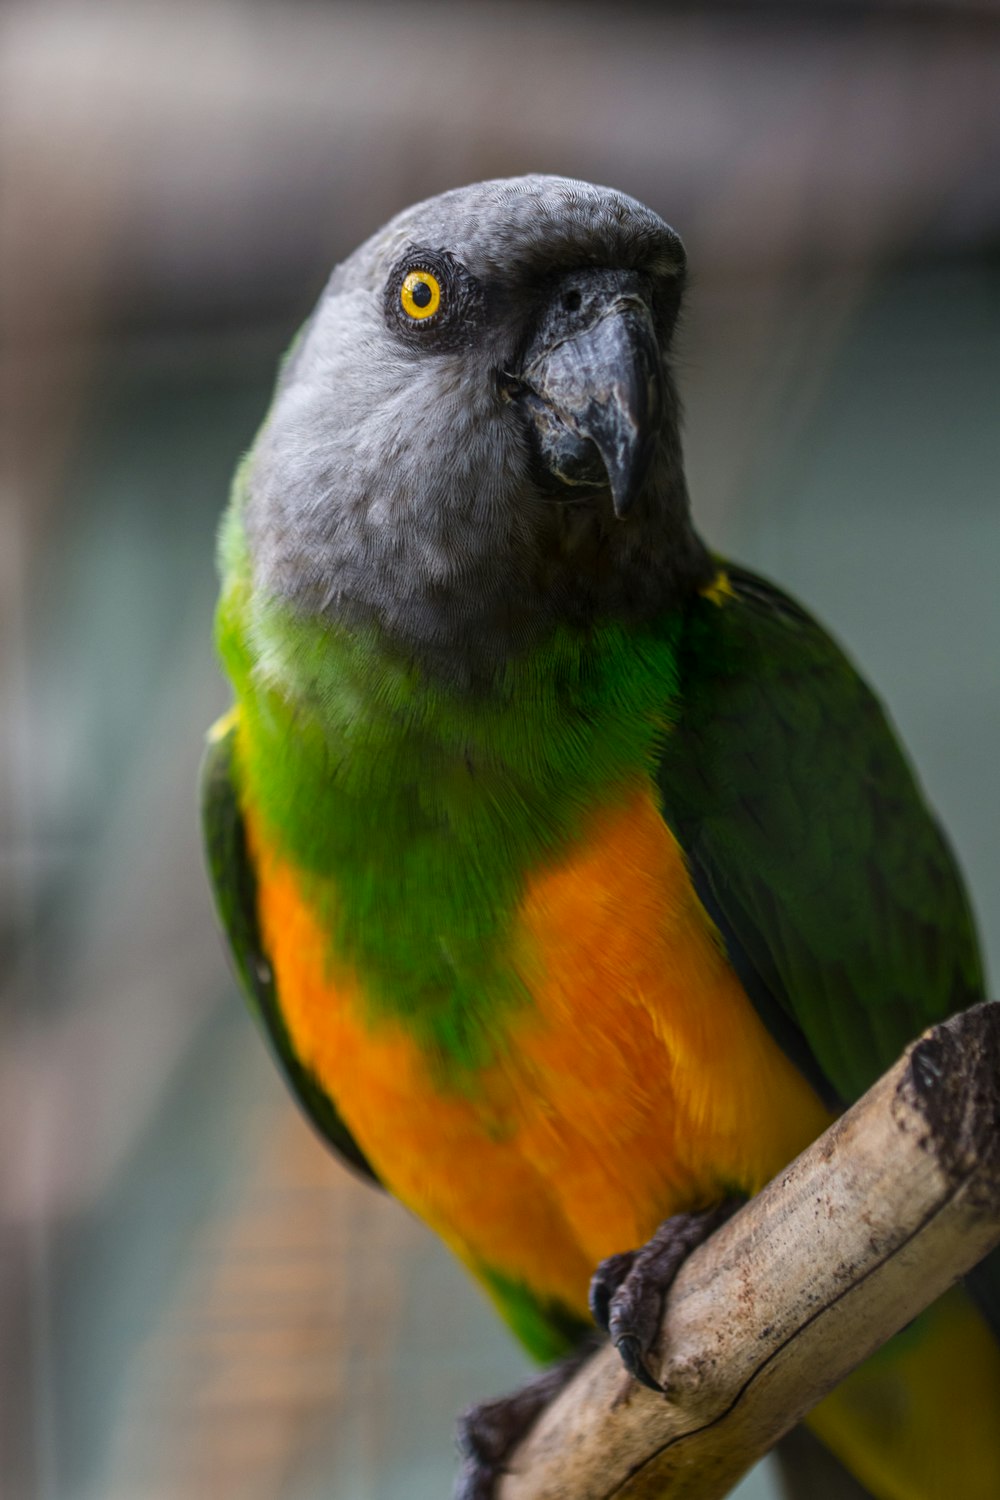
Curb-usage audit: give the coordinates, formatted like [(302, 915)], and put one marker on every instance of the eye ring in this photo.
[(431, 301), (420, 294)]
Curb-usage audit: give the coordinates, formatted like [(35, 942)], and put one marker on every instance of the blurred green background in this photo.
[(195, 1300)]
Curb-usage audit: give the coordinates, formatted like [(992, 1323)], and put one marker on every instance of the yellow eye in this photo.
[(420, 294)]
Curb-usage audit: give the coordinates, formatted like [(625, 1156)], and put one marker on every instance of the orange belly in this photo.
[(640, 1081)]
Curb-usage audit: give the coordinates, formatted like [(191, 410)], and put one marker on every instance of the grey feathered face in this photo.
[(476, 433)]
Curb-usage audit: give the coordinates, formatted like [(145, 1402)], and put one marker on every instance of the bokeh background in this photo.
[(196, 1301)]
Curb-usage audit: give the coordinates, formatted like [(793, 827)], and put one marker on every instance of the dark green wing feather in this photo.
[(810, 842), (234, 886), (813, 850)]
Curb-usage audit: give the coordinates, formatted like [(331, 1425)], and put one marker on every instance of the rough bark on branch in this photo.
[(897, 1200)]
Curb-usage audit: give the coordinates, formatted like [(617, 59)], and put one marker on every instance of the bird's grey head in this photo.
[(476, 434)]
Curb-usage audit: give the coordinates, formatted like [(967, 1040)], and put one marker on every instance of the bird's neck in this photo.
[(468, 596), (344, 709)]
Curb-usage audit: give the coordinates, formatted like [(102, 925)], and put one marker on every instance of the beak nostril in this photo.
[(572, 300)]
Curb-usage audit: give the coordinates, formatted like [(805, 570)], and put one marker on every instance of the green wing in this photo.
[(812, 848), (810, 842), (235, 890)]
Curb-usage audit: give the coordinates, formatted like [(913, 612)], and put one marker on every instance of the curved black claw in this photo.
[(630, 1351), (628, 1290), (489, 1433)]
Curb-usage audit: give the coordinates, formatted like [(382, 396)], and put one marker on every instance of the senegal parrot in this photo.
[(575, 875)]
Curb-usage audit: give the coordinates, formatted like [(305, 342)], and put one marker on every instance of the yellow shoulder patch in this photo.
[(719, 590), (222, 726)]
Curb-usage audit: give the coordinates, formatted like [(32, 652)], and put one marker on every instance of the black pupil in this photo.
[(421, 293)]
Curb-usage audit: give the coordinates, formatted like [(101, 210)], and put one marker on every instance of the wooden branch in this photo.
[(866, 1228)]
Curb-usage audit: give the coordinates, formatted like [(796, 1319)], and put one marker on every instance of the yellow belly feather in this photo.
[(641, 1082)]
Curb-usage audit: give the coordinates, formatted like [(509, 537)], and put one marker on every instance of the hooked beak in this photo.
[(591, 385)]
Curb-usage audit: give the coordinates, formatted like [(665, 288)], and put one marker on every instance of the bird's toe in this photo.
[(489, 1432), (629, 1290)]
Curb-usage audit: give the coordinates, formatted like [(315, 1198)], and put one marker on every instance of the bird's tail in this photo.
[(920, 1420)]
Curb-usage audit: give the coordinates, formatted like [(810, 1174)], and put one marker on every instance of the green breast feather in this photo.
[(414, 809)]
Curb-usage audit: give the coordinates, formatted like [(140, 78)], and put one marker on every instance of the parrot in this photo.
[(574, 874)]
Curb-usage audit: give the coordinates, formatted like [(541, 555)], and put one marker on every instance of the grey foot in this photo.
[(489, 1433), (628, 1290)]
